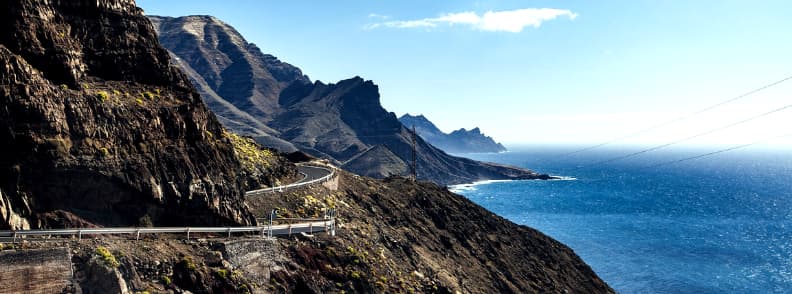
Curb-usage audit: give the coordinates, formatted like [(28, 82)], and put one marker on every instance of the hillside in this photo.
[(459, 141), (336, 121), (99, 129)]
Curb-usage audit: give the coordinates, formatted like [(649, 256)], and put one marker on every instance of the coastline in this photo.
[(458, 188)]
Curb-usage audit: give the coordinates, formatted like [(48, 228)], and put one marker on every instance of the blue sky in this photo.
[(589, 72)]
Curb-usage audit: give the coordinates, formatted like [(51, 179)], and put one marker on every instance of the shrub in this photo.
[(188, 263), (223, 273), (103, 95), (139, 101), (116, 92), (64, 87), (107, 257), (148, 95), (248, 152), (355, 275), (166, 280)]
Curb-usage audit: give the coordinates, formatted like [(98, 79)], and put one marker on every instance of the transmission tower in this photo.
[(414, 156)]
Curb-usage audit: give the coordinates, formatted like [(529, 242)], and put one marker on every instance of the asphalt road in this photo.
[(311, 173)]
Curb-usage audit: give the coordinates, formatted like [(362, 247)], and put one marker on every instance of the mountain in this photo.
[(98, 128), (459, 141), (258, 95)]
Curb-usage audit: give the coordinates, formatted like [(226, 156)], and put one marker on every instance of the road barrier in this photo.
[(324, 225), (329, 176)]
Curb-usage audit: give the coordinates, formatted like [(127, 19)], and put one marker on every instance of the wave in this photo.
[(472, 186)]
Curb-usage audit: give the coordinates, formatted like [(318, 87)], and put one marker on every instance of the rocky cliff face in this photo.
[(459, 141), (341, 122), (97, 126), (238, 82)]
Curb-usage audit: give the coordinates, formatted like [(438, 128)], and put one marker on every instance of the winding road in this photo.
[(312, 174)]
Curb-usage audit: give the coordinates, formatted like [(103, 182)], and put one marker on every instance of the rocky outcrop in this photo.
[(95, 121), (340, 122), (459, 141)]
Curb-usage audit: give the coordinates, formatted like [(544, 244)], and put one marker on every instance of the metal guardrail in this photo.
[(329, 176), (308, 225), (326, 225)]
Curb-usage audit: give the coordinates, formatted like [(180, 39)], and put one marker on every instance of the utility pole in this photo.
[(414, 156)]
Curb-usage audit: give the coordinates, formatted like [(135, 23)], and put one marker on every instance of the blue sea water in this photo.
[(718, 224)]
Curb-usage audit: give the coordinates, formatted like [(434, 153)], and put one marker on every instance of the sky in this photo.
[(543, 72)]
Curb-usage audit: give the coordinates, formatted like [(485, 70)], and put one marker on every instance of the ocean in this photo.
[(717, 224)]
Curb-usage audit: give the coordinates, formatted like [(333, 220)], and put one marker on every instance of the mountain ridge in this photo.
[(334, 121), (458, 141)]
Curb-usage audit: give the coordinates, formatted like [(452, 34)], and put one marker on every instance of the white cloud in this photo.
[(513, 21), (378, 16)]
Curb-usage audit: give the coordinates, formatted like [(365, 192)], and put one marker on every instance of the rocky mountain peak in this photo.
[(459, 141), (341, 122)]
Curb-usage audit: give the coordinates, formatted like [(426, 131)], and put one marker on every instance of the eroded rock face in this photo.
[(94, 121)]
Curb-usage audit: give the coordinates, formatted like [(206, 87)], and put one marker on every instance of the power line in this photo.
[(693, 136), (716, 152), (681, 118)]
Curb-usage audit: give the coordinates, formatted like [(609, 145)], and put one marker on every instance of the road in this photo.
[(309, 227), (312, 174)]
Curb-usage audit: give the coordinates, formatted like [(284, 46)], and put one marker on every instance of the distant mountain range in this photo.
[(256, 94), (459, 141)]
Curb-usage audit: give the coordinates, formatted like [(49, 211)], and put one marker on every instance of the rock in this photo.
[(97, 127), (342, 122), (459, 141)]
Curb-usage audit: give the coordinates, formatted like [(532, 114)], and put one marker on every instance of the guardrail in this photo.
[(326, 225), (329, 176), (307, 225)]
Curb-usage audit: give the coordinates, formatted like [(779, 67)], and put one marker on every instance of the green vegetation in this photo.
[(188, 263), (64, 87), (236, 275), (166, 280), (104, 151), (103, 95), (354, 275), (148, 95), (223, 273), (139, 101), (244, 289), (248, 152), (116, 93), (107, 257)]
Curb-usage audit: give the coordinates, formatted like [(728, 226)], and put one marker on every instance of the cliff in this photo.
[(459, 141), (392, 236), (340, 122), (98, 128)]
